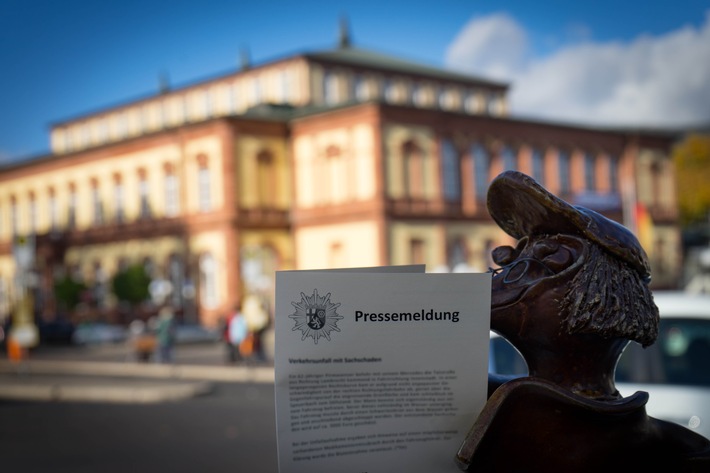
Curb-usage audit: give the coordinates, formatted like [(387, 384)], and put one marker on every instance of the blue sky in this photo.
[(627, 63)]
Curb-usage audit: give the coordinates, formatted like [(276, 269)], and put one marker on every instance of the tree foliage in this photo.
[(131, 284), (692, 163), (68, 292)]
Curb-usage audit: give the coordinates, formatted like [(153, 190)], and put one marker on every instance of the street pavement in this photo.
[(111, 373)]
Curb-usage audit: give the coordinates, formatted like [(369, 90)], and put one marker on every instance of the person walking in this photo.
[(165, 333), (236, 334)]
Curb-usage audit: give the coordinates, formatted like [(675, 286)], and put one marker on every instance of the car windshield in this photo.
[(681, 355)]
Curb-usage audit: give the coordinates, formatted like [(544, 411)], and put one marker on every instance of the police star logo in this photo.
[(315, 316)]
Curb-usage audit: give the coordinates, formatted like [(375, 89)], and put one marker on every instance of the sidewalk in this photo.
[(109, 374)]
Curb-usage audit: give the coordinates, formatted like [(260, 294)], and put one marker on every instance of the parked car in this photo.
[(98, 333), (675, 370)]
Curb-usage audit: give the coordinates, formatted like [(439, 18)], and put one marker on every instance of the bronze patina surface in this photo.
[(570, 296)]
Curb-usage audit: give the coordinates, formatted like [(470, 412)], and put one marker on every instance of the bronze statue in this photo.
[(570, 296)]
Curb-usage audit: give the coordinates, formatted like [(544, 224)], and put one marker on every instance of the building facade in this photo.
[(339, 158)]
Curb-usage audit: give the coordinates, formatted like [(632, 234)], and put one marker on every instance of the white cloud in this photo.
[(495, 45), (650, 81)]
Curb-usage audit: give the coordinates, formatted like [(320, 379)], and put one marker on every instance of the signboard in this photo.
[(376, 370)]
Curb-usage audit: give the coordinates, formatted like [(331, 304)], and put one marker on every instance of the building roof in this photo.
[(374, 60)]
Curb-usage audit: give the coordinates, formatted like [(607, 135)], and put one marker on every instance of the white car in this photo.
[(675, 370)]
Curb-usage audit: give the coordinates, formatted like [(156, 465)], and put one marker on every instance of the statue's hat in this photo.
[(521, 206)]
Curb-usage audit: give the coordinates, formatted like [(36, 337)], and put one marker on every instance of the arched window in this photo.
[(413, 160), (204, 184), (53, 209), (538, 166), (209, 295), (590, 177), (510, 159), (72, 207), (96, 202), (32, 213), (457, 255), (481, 169), (266, 179), (144, 193), (563, 166), (451, 171), (614, 174), (331, 94), (172, 191), (176, 276), (119, 212)]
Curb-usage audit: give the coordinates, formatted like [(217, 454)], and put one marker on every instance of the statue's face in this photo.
[(533, 276)]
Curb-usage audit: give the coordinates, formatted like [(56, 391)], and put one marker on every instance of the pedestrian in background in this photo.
[(236, 334), (257, 318), (165, 333)]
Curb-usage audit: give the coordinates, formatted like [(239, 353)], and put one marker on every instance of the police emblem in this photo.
[(315, 316)]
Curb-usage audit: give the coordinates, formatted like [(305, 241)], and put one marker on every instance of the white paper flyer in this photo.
[(378, 372)]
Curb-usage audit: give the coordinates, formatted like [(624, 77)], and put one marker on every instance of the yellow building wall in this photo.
[(248, 148), (214, 243), (357, 243), (212, 147), (134, 251), (349, 177), (103, 170), (394, 137), (435, 237)]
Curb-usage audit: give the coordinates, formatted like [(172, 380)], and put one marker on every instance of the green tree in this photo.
[(131, 284), (68, 292), (692, 162)]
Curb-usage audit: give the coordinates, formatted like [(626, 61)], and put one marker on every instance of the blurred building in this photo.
[(336, 158)]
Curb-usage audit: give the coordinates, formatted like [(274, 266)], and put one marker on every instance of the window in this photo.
[(390, 91), (144, 194), (283, 89), (614, 174), (481, 168), (122, 125), (256, 91), (119, 212), (204, 185), (414, 174), (457, 255), (419, 95), (416, 251), (102, 130), (589, 172), (266, 179), (493, 104), (510, 159), (538, 166), (172, 192), (330, 88), (209, 296), (451, 171), (444, 98), (177, 280), (98, 208), (208, 103), (564, 171), (361, 89), (53, 210), (470, 102), (72, 207), (33, 213), (232, 98)]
